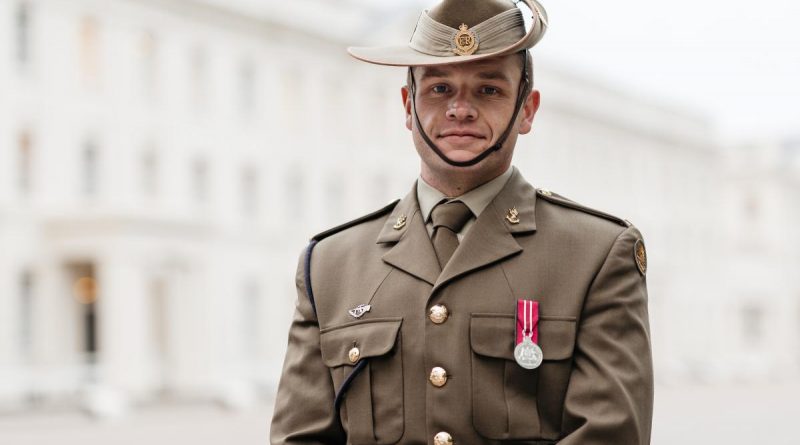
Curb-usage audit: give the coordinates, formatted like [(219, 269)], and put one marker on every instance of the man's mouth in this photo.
[(460, 136)]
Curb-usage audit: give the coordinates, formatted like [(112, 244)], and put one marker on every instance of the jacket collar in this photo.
[(489, 240)]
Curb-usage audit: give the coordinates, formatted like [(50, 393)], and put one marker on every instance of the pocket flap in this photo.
[(372, 338), (492, 335)]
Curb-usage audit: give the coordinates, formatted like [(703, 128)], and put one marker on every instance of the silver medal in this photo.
[(528, 354)]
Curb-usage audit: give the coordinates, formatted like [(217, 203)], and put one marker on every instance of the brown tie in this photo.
[(448, 219)]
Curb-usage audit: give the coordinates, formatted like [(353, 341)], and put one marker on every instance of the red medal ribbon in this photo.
[(527, 320)]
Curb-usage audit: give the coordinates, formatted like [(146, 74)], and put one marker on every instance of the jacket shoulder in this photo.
[(559, 200), (368, 217)]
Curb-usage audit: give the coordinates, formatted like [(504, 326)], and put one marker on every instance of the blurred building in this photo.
[(163, 162)]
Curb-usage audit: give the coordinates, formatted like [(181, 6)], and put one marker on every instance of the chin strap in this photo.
[(523, 86)]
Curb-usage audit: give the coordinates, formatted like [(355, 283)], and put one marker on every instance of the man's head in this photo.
[(465, 109), (466, 102)]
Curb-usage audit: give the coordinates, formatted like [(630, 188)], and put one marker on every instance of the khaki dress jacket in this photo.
[(368, 379)]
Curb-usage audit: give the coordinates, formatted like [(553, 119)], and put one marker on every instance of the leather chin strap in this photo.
[(523, 86)]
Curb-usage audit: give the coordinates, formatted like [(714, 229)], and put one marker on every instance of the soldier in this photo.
[(477, 309)]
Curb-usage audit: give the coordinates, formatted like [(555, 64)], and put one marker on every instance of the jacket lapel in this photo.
[(491, 238), (412, 252)]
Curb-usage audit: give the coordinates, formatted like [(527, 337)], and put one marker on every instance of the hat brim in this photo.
[(406, 56)]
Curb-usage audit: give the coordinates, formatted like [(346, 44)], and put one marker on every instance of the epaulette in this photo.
[(555, 198), (322, 235)]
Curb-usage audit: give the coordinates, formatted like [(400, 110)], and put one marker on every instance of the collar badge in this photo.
[(513, 215), (400, 223)]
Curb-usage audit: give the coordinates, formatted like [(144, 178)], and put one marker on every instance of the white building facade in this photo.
[(163, 162)]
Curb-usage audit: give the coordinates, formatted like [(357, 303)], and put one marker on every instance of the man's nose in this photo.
[(461, 109)]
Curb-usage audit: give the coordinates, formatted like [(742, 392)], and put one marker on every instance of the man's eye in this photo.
[(439, 89), (490, 91)]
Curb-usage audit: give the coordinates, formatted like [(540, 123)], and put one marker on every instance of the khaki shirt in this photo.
[(377, 378), (476, 199)]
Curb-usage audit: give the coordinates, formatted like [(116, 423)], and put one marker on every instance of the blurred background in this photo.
[(163, 163)]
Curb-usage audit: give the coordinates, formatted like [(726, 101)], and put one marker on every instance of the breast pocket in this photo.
[(508, 401), (373, 404)]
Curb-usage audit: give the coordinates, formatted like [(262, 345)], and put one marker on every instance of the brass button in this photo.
[(443, 438), (438, 314), (354, 355), (438, 377)]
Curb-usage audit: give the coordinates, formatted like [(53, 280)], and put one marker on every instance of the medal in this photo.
[(527, 352)]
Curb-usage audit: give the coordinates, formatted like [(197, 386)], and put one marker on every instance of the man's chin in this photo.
[(461, 154)]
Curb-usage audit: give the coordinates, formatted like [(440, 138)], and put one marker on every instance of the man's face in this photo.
[(465, 108)]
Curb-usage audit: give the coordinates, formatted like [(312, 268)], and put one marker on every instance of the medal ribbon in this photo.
[(527, 320)]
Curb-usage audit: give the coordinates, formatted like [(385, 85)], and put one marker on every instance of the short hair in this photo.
[(528, 71)]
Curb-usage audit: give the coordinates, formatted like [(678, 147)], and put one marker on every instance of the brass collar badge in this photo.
[(465, 40), (513, 216), (400, 223)]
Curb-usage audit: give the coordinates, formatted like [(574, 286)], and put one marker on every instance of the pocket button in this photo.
[(354, 355), (443, 438)]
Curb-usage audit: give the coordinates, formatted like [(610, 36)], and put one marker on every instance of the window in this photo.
[(199, 75), (752, 324), (296, 194), (335, 199), (251, 322), (159, 320), (89, 168), (23, 33), (24, 162), (292, 99), (149, 173), (250, 194), (751, 206), (149, 53), (200, 179), (90, 49), (25, 314), (247, 79), (85, 293)]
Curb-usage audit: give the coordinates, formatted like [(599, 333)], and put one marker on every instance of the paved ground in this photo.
[(685, 416)]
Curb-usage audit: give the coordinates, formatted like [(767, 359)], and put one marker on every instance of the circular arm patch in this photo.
[(640, 254)]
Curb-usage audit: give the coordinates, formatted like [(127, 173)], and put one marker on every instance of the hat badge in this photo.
[(465, 40)]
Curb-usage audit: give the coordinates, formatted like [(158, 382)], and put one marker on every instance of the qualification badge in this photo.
[(360, 310), (527, 352)]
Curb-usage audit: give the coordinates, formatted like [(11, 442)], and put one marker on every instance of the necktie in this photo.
[(448, 219)]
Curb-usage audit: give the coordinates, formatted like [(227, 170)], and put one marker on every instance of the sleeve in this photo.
[(304, 411), (609, 399)]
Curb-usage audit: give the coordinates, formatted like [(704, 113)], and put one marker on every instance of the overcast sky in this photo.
[(736, 61)]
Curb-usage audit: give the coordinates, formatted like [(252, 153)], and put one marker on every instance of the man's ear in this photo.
[(529, 109), (406, 95)]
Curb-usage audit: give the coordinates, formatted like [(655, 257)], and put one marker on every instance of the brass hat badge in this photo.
[(465, 40)]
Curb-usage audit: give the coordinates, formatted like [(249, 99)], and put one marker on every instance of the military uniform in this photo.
[(407, 330), (432, 360)]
